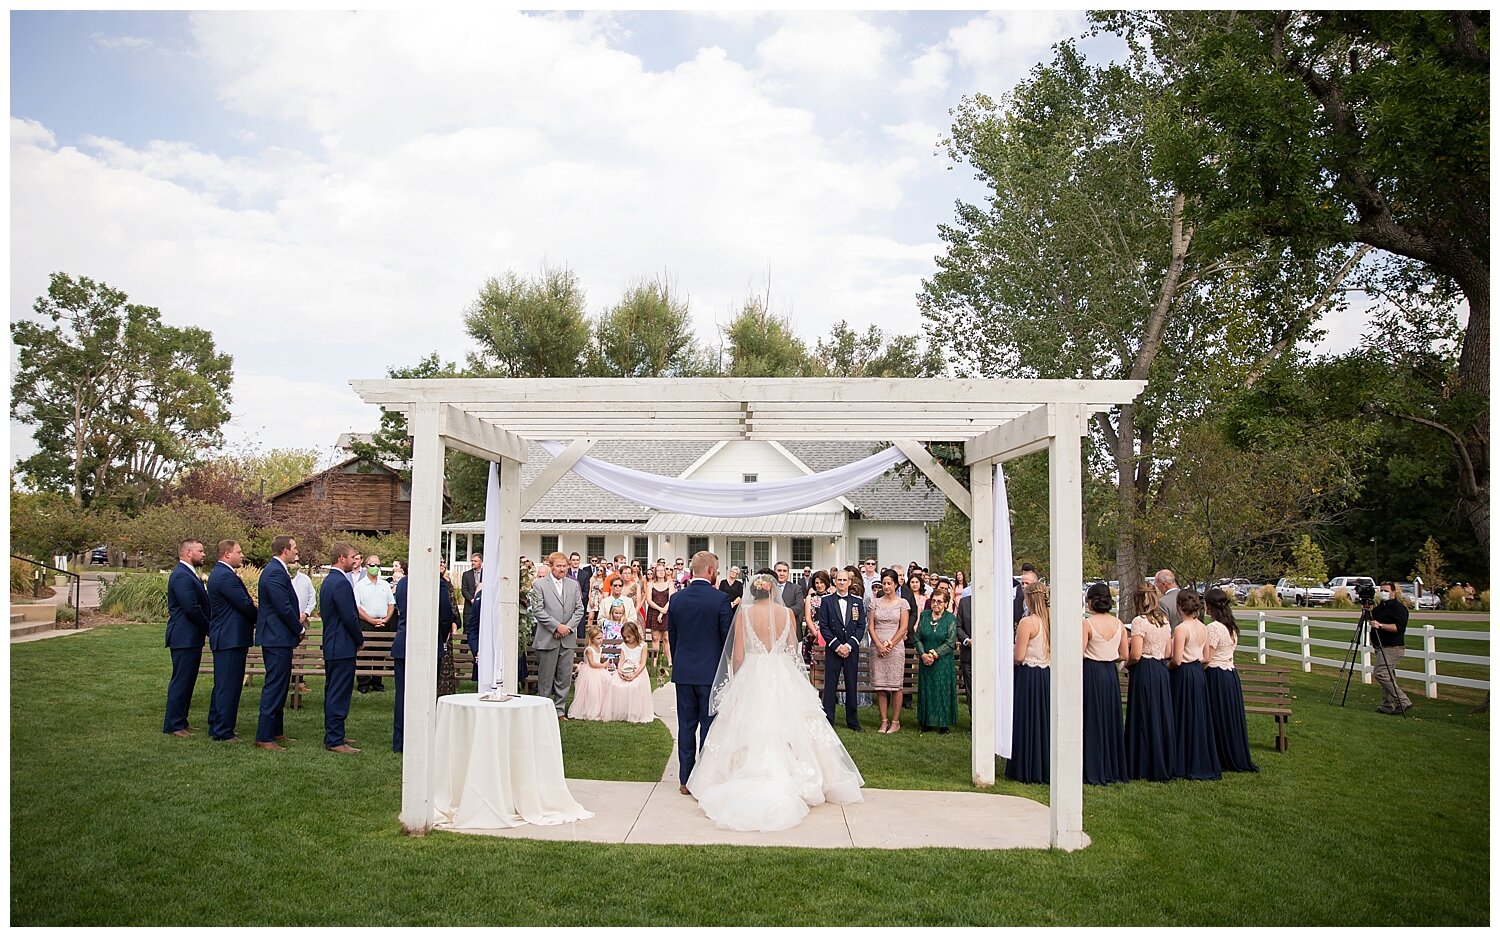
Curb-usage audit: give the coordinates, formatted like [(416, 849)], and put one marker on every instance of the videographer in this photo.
[(1388, 632)]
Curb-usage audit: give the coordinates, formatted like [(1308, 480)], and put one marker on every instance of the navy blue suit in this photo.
[(187, 626), (342, 638), (230, 630), (839, 632), (278, 629), (398, 652), (701, 616)]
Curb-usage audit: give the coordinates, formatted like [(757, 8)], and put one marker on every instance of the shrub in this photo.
[(393, 546), (1484, 601), (249, 574), (158, 531), (1263, 597), (21, 577), (136, 597), (1454, 598), (1342, 598)]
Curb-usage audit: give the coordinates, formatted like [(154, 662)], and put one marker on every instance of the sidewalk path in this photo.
[(645, 812)]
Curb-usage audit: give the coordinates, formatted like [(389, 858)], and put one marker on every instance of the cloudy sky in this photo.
[(325, 192)]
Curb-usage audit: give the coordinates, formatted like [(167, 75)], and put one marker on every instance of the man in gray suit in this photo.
[(1166, 584), (557, 606)]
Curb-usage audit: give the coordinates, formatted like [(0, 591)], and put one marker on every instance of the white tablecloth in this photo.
[(499, 765)]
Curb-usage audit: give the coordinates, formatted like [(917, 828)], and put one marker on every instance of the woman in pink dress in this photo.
[(591, 689), (889, 621)]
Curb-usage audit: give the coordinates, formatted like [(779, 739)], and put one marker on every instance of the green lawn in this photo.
[(114, 823)]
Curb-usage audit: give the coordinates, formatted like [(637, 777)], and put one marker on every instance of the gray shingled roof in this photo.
[(573, 499)]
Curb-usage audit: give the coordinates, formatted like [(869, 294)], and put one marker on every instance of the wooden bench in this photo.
[(866, 657), (1267, 689), (463, 661), (373, 660)]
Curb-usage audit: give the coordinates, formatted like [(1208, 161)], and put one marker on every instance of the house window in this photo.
[(750, 555), (403, 491), (696, 545), (549, 545), (751, 478), (737, 554), (802, 554), (640, 550), (596, 546), (868, 547)]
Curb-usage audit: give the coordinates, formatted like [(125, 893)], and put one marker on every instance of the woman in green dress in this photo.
[(937, 680)]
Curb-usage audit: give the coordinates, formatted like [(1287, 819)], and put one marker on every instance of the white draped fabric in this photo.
[(724, 499), (719, 499)]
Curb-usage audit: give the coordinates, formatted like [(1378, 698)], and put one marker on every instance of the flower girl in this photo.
[(591, 689), (630, 688)]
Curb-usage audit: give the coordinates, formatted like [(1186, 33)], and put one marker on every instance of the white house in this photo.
[(882, 519)]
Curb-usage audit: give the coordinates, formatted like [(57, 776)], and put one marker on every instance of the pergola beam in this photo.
[(468, 433), (553, 473), (917, 454), (1024, 435)]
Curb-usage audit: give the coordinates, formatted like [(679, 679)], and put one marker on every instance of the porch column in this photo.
[(982, 620), (421, 612), (1065, 470)]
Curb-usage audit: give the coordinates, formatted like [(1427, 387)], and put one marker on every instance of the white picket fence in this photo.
[(1429, 655)]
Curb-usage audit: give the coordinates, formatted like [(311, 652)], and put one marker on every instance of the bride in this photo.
[(770, 753)]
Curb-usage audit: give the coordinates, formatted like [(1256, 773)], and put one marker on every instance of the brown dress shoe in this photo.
[(284, 740), (682, 789), (182, 733), (345, 749), (271, 746)]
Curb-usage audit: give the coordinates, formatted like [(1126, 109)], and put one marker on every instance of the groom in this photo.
[(700, 616)]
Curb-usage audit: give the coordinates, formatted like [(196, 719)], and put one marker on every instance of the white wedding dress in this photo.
[(770, 753)]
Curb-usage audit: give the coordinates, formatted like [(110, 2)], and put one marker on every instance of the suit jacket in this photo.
[(187, 609), (444, 618), (278, 622), (1020, 603), (792, 595), (965, 631), (550, 613), (700, 616), (232, 621), (1169, 605), (468, 587), (835, 630), (585, 573), (342, 633)]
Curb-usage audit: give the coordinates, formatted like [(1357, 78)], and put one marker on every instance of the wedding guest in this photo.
[(471, 586), (445, 617), (610, 603), (961, 584), (841, 620), (1166, 584), (1104, 643), (733, 587), (398, 572), (812, 637), (635, 592), (964, 612), (302, 584), (1150, 728), (591, 689), (856, 582), (376, 605), (629, 696), (1226, 699), (615, 619), (1195, 755), (869, 575), (188, 617), (1030, 759), (788, 591), (659, 592), (937, 682), (888, 624)]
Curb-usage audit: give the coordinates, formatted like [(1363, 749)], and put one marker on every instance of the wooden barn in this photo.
[(356, 495)]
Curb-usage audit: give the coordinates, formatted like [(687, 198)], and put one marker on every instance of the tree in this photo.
[(1336, 128), (47, 523), (120, 401), (847, 354), (648, 333), (762, 344), (1084, 264), (158, 531), (1429, 568), (224, 482), (529, 327), (1308, 568), (268, 473)]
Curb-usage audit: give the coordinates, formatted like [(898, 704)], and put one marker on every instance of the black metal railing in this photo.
[(76, 586)]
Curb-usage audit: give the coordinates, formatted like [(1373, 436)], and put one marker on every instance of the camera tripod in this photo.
[(1346, 670)]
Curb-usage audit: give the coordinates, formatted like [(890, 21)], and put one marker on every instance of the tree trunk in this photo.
[(1127, 558), (77, 451), (1474, 379)]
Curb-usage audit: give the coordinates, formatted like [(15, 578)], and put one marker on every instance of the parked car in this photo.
[(1315, 593), (1351, 584), (99, 556), (1423, 602), (1239, 588)]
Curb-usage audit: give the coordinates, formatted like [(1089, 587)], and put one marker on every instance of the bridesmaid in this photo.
[(1030, 735), (1150, 730), (1195, 755), (1104, 643), (937, 678), (888, 619), (1226, 700)]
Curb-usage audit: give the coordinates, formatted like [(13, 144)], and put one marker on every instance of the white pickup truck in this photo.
[(1350, 584), (1287, 590)]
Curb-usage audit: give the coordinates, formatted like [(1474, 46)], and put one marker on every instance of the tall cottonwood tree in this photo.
[(648, 333), (1084, 264), (529, 327)]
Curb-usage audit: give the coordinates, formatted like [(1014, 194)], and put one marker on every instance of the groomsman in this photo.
[(279, 627), (187, 626), (230, 631), (469, 586), (841, 619), (398, 650), (342, 638)]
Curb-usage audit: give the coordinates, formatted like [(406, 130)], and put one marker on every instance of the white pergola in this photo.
[(996, 420)]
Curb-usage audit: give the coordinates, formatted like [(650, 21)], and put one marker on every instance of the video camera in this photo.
[(1366, 593)]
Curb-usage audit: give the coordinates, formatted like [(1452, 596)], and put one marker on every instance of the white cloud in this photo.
[(120, 43), (997, 49), (842, 45), (274, 412), (927, 73)]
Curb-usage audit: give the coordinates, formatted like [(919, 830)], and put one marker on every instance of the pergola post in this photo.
[(507, 578), (421, 619), (1065, 470), (982, 621)]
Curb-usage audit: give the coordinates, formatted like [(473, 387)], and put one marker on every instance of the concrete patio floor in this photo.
[(656, 813)]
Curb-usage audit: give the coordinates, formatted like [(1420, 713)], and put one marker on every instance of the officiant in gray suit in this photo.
[(558, 608)]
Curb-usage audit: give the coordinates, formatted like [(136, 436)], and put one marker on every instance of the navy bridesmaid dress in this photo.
[(1195, 755), (1030, 760), (1226, 706), (1103, 729), (1150, 730)]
